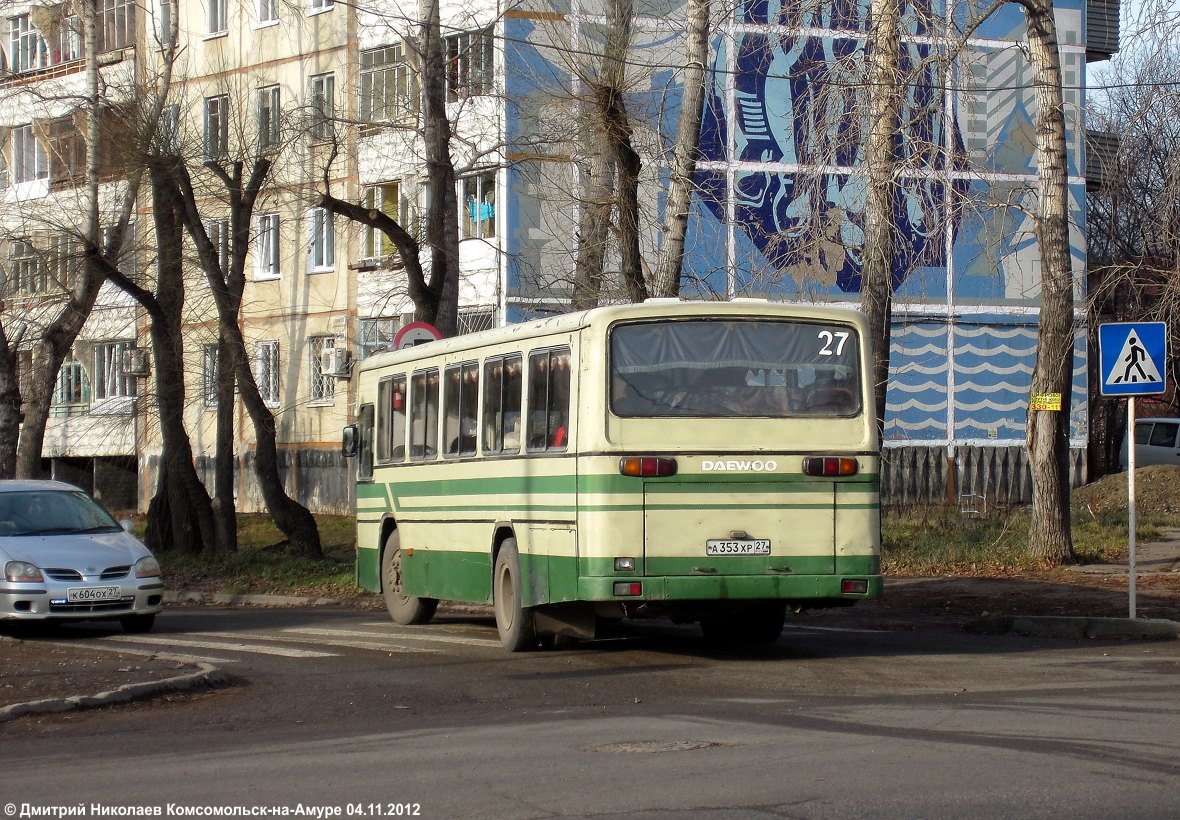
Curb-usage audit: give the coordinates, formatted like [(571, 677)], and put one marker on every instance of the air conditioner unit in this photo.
[(137, 362), (336, 362)]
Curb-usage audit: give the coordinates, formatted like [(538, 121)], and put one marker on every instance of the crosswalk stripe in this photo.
[(401, 636), (256, 649), (377, 644)]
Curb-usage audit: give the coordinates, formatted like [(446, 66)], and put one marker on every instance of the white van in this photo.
[(1155, 443)]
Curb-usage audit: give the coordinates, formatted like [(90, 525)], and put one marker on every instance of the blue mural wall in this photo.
[(780, 206)]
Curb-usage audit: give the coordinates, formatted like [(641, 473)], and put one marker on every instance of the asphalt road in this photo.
[(345, 712)]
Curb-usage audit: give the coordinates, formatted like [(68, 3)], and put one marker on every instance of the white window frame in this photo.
[(72, 387), (110, 381), (321, 241), (319, 6), (266, 370), (217, 127), (373, 241), (475, 222), (269, 113), (218, 232), (267, 246), (30, 161), (322, 97), (268, 13), (28, 50), (321, 389), (471, 64), (209, 375), (216, 18), (388, 86), (116, 24)]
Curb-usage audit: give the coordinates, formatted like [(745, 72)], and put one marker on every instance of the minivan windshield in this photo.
[(734, 368), (45, 512)]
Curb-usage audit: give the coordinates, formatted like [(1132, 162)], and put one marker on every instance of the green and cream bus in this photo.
[(714, 462)]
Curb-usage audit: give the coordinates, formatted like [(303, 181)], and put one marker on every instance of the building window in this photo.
[(268, 11), (72, 388), (218, 232), (473, 320), (29, 162), (168, 131), (64, 261), (266, 371), (116, 24), (266, 246), (110, 380), (389, 87), (217, 127), (27, 269), (28, 51), (210, 373), (322, 388), (470, 65), (321, 248), (268, 116), (377, 335), (323, 105), (67, 152), (217, 19), (315, 6), (387, 199), (479, 205)]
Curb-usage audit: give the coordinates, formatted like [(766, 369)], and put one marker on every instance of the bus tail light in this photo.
[(854, 586), (828, 466), (629, 588), (647, 466)]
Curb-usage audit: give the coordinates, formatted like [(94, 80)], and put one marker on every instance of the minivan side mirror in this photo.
[(350, 442)]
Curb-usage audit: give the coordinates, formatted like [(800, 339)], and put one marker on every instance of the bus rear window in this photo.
[(734, 368)]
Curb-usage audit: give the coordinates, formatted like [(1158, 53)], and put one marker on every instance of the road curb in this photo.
[(1074, 627), (206, 676), (234, 599)]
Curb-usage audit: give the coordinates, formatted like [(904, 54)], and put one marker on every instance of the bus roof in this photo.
[(651, 308)]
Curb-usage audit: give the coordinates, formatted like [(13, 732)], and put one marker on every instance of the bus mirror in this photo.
[(349, 441)]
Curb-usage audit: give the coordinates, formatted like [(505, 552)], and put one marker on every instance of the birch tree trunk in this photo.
[(666, 280), (881, 161), (1048, 430)]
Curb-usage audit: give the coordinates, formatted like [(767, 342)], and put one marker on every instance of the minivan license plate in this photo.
[(80, 595), (737, 546)]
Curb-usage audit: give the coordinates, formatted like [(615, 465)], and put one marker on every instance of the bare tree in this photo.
[(666, 278)]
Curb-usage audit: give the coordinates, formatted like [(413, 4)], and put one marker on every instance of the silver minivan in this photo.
[(1155, 443)]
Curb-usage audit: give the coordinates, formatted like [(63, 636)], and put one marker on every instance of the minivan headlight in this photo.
[(147, 567), (23, 572)]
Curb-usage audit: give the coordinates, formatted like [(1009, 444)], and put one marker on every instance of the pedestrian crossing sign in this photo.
[(1132, 358)]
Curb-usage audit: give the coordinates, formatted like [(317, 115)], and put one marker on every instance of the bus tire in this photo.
[(755, 625), (404, 609), (515, 623)]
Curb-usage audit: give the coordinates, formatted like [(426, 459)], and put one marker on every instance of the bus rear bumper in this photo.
[(801, 589)]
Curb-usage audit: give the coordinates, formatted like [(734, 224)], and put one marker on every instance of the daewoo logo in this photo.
[(734, 465)]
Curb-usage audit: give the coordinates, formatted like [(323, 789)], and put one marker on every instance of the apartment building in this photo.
[(330, 92)]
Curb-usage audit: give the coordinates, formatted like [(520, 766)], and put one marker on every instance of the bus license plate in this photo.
[(743, 546), (81, 595)]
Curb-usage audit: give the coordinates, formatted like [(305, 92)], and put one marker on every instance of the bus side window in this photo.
[(391, 419), (501, 404), (459, 405), (423, 415), (549, 400), (364, 424)]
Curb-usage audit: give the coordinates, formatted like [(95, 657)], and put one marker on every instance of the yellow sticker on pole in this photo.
[(1045, 401)]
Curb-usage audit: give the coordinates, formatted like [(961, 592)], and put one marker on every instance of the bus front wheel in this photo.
[(404, 609), (516, 624)]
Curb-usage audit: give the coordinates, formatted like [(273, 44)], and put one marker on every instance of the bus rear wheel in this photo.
[(755, 625), (404, 609), (515, 623)]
